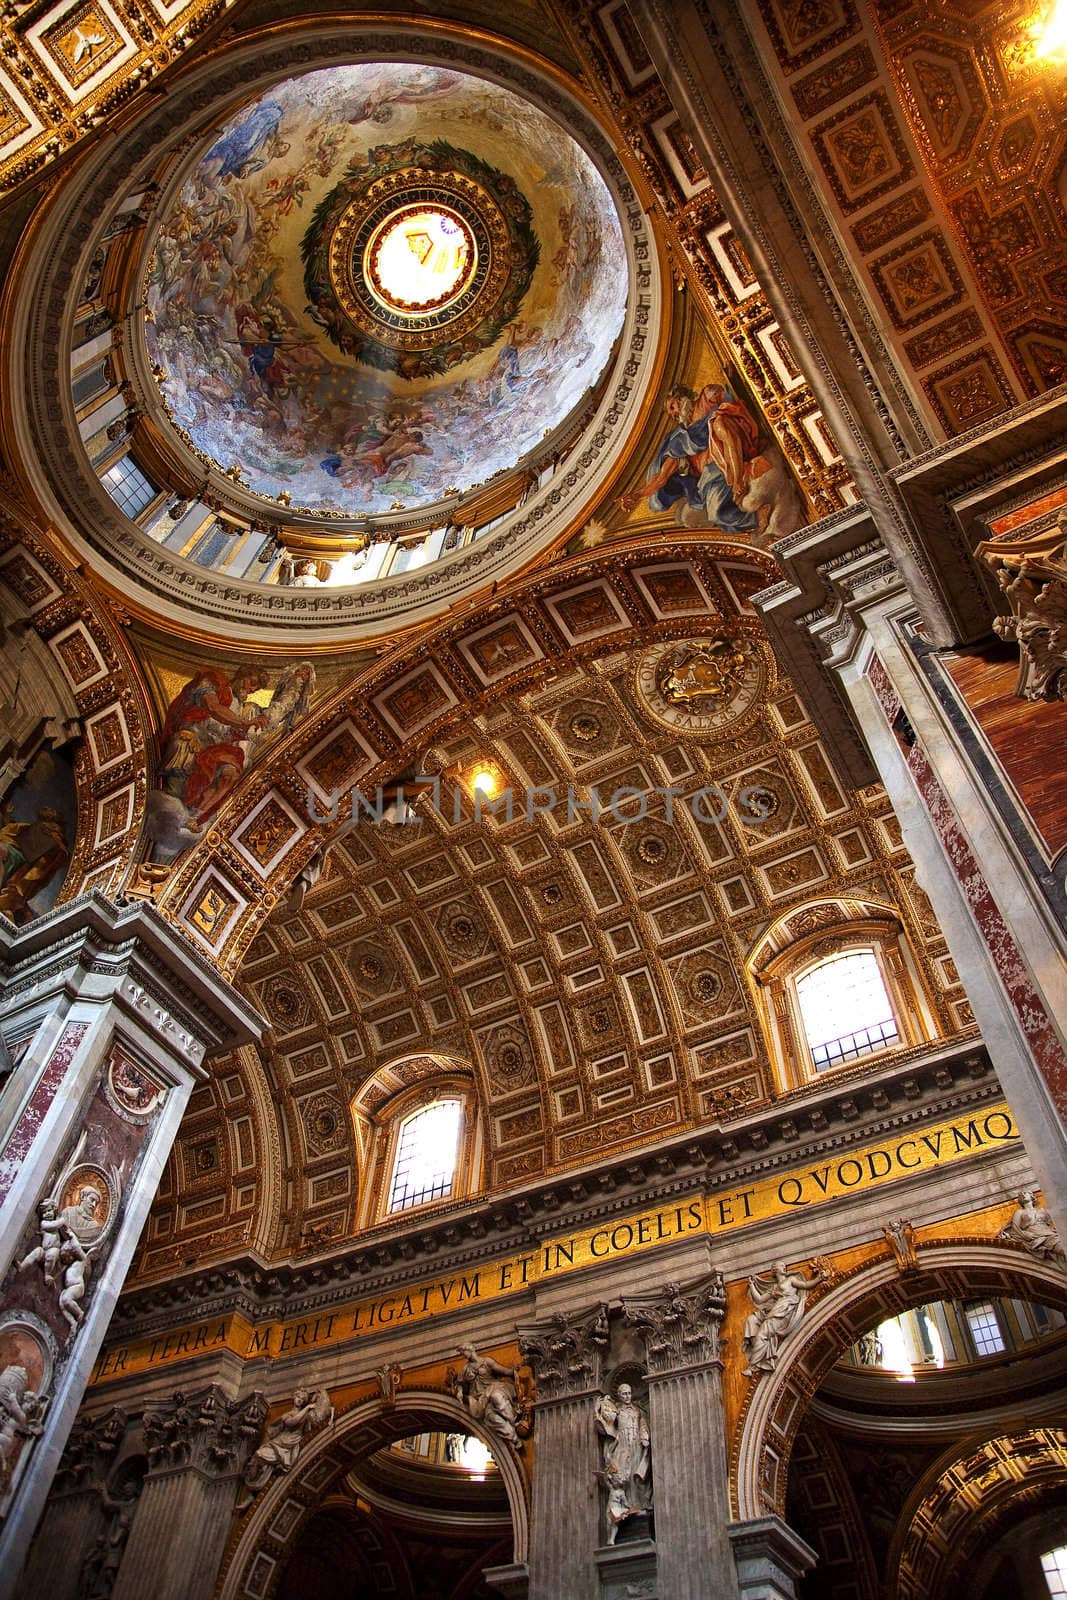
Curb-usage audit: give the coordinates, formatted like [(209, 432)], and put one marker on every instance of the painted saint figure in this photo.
[(707, 460)]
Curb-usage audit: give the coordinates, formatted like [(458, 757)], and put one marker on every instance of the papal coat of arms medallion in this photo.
[(704, 687)]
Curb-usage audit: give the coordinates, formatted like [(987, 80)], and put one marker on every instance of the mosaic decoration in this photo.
[(37, 837), (279, 351), (216, 727)]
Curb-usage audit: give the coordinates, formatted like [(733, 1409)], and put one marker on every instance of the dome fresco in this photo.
[(380, 284)]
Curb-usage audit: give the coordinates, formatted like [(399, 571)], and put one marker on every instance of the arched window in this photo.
[(845, 1008), (427, 1149), (418, 1135), (847, 990)]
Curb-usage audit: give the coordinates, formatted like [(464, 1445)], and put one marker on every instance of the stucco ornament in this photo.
[(310, 1411), (1032, 1226), (779, 1298)]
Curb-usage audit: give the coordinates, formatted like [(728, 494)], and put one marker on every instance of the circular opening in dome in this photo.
[(419, 257)]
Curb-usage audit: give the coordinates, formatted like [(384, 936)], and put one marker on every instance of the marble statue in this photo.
[(778, 1298), (900, 1237), (21, 1409), (105, 1555), (286, 1437), (1033, 1228), (627, 1457), (488, 1391)]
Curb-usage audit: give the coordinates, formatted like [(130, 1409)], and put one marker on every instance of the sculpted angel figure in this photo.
[(627, 1448), (286, 1437), (20, 1414), (1032, 1227), (488, 1391), (76, 1261), (53, 1232), (778, 1298)]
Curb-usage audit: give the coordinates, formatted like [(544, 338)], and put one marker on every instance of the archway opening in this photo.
[(928, 1464), (404, 1497), (422, 1517)]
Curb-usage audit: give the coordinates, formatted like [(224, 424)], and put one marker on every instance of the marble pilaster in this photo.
[(680, 1331), (566, 1355), (75, 1515), (198, 1447), (771, 1559), (110, 1015)]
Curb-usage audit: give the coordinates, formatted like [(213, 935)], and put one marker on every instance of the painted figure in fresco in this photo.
[(215, 728), (31, 854), (707, 460), (203, 748), (248, 147)]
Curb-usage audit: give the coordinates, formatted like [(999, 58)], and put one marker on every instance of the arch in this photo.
[(947, 1517), (868, 1294), (257, 1559), (806, 936)]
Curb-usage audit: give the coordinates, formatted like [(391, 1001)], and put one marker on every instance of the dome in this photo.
[(381, 284)]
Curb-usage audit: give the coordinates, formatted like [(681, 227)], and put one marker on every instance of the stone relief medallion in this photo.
[(87, 1201), (131, 1091), (704, 687), (27, 1362)]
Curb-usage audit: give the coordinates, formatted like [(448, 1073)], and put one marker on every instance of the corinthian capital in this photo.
[(566, 1352), (680, 1327), (205, 1431)]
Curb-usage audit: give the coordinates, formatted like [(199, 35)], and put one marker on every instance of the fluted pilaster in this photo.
[(566, 1355)]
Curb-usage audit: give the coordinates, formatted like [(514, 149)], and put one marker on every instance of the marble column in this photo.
[(566, 1355), (690, 1475), (76, 1515), (771, 1559), (109, 1015), (198, 1446)]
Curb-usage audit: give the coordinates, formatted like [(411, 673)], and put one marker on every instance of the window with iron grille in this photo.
[(845, 1008), (985, 1329), (128, 487), (426, 1152), (1054, 1566)]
